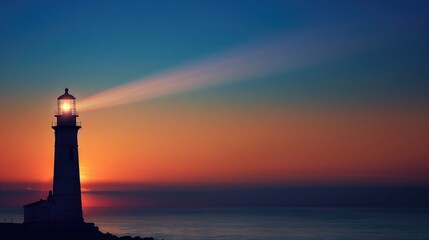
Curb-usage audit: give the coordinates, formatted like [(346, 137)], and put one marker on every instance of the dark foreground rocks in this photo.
[(19, 231)]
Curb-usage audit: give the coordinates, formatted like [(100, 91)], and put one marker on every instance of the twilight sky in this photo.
[(275, 92)]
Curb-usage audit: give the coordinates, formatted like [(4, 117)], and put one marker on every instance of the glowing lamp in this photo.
[(66, 104)]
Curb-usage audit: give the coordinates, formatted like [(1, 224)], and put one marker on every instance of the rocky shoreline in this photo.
[(20, 231)]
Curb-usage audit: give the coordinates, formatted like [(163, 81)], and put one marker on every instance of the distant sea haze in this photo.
[(239, 196)]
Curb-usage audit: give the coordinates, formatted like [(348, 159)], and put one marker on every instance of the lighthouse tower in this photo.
[(67, 194), (64, 204)]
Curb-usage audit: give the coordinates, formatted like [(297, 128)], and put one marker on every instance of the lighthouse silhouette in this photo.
[(63, 206), (66, 193)]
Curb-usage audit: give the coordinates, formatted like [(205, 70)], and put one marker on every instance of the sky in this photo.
[(202, 94)]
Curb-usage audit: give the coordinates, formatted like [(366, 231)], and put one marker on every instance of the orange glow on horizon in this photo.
[(254, 147), (186, 143)]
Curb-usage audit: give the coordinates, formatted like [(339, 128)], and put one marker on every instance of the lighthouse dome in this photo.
[(66, 95)]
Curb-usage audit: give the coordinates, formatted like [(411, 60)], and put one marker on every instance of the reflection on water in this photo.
[(269, 224), (258, 223)]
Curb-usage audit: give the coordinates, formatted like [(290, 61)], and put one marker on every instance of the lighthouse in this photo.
[(63, 205), (67, 195)]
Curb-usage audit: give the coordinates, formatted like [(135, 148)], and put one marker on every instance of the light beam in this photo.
[(271, 55)]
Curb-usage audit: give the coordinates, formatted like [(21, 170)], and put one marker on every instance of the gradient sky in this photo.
[(355, 117)]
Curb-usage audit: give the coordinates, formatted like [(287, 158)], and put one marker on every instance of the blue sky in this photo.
[(92, 46)]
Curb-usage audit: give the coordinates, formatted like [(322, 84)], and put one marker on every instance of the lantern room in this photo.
[(66, 104)]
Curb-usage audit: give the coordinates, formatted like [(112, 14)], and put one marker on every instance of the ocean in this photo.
[(258, 223)]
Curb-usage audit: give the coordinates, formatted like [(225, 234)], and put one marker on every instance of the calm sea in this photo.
[(259, 223)]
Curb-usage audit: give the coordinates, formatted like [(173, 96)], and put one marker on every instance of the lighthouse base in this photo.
[(52, 210)]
